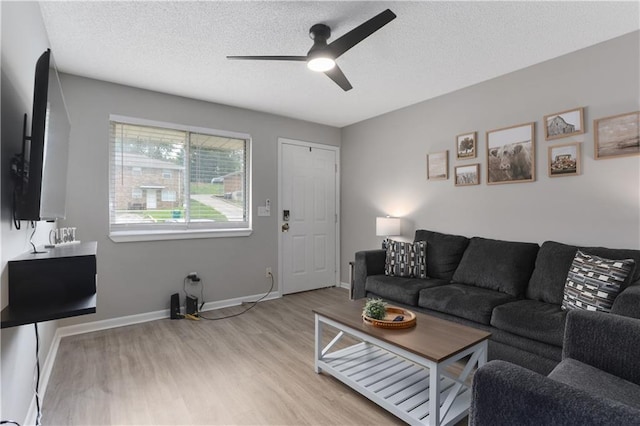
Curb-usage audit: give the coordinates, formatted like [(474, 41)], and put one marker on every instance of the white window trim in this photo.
[(174, 234), (122, 236)]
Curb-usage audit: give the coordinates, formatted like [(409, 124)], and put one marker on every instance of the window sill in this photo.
[(133, 236)]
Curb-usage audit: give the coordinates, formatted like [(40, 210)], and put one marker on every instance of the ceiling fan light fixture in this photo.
[(321, 64)]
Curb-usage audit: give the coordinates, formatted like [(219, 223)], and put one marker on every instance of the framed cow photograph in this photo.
[(564, 160), (617, 136), (438, 166), (466, 146), (564, 124), (467, 175), (511, 156)]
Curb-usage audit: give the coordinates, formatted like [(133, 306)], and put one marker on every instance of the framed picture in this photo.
[(466, 146), (467, 175), (617, 136), (511, 155), (564, 160), (438, 166), (563, 124)]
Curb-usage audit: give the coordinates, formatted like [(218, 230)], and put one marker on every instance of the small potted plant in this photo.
[(375, 309)]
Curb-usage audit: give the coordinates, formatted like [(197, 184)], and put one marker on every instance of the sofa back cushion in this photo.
[(553, 263), (499, 265), (443, 253)]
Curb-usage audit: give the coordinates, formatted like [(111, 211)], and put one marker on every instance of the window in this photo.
[(203, 177), (168, 195)]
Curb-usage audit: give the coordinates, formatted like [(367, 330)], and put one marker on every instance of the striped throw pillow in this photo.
[(405, 259)]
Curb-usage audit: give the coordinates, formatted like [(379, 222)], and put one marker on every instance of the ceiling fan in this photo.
[(322, 56)]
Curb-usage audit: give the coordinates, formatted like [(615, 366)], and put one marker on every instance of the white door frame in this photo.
[(336, 149)]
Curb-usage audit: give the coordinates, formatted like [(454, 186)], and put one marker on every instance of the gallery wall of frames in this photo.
[(511, 151)]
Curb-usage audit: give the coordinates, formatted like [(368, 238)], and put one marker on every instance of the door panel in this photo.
[(320, 252), (299, 261), (308, 190)]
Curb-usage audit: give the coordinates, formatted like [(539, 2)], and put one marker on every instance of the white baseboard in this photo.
[(89, 327), (45, 373), (345, 285), (210, 306)]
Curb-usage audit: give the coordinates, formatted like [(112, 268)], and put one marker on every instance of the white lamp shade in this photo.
[(387, 226)]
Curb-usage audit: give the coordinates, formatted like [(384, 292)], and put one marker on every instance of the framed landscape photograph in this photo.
[(563, 124), (564, 160), (466, 146), (467, 175), (511, 154), (617, 136), (438, 166)]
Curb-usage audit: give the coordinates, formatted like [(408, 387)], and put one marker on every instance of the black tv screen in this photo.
[(42, 190)]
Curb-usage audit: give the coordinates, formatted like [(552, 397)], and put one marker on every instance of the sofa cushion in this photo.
[(497, 265), (553, 263), (465, 301), (405, 259), (533, 319), (397, 289), (444, 252), (594, 282), (593, 380), (550, 274)]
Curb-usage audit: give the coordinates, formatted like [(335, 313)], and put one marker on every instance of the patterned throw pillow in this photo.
[(420, 253), (593, 282), (406, 259)]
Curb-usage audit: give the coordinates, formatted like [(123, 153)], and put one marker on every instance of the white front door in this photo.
[(308, 213), (152, 199)]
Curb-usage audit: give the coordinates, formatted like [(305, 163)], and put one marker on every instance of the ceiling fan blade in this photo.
[(356, 35), (339, 78), (271, 58)]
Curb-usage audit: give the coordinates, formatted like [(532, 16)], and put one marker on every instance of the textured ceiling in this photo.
[(430, 49)]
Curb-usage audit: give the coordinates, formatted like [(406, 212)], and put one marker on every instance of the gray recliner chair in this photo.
[(596, 383)]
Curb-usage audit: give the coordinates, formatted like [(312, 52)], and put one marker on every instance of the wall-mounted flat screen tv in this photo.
[(41, 191)]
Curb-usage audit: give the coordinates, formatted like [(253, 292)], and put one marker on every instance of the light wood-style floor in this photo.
[(254, 369)]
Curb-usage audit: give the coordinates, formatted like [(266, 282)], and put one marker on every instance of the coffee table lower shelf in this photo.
[(399, 386), (399, 381)]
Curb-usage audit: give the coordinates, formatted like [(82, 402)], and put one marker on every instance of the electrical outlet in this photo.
[(268, 273)]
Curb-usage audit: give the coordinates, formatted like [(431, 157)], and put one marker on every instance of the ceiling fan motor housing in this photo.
[(319, 33)]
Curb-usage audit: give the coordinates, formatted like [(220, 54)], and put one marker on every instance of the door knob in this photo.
[(285, 227)]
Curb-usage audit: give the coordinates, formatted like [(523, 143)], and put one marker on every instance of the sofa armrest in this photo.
[(507, 394), (627, 303), (368, 262), (605, 341)]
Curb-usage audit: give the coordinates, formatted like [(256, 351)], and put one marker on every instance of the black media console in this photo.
[(47, 286)]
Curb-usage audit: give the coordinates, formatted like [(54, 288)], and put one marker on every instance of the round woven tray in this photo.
[(388, 322)]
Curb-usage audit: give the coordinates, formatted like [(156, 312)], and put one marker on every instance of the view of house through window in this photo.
[(163, 178)]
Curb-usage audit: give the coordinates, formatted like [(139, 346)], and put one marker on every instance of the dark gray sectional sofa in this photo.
[(512, 289)]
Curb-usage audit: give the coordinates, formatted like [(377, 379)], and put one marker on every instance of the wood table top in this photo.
[(432, 338)]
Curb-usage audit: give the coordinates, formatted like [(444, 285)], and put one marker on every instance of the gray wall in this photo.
[(384, 165), (24, 39), (139, 277)]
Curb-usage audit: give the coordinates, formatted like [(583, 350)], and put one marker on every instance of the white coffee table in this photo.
[(404, 371)]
